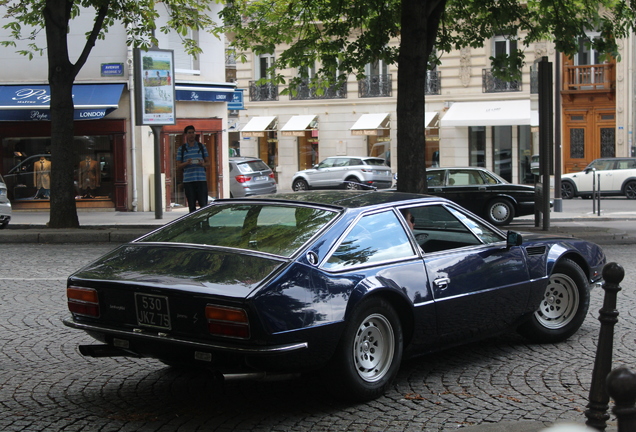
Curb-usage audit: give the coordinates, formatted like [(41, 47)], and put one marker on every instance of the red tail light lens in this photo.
[(83, 301), (242, 179), (271, 175), (227, 321)]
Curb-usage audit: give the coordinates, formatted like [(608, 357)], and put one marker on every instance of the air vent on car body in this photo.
[(536, 250)]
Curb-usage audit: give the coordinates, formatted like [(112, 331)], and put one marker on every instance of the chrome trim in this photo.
[(140, 334)]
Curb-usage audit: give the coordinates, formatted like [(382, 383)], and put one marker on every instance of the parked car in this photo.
[(5, 205), (617, 177), (482, 192), (349, 172), (535, 165), (345, 283), (250, 176)]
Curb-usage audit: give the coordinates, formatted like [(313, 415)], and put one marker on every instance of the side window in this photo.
[(435, 178), (327, 163), (458, 178), (436, 228), (355, 162), (374, 238)]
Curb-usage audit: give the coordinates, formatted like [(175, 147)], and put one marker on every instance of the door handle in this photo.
[(441, 283)]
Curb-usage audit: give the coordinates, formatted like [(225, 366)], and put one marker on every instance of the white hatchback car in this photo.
[(617, 177), (5, 205), (349, 172)]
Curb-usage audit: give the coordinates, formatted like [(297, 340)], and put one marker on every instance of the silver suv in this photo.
[(250, 176), (349, 172)]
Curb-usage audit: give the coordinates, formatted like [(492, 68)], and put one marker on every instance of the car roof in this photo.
[(348, 199)]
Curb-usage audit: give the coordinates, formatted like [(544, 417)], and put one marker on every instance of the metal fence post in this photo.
[(621, 385), (596, 413)]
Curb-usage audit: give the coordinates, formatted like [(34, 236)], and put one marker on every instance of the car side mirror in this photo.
[(513, 238), (316, 166), (589, 170)]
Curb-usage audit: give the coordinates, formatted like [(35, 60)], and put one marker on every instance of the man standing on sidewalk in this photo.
[(192, 158)]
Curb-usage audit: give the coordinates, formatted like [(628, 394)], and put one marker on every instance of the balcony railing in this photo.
[(263, 92), (491, 84), (589, 77), (304, 91), (433, 83), (375, 86)]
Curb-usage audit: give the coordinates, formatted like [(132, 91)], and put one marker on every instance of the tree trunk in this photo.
[(61, 78), (410, 107)]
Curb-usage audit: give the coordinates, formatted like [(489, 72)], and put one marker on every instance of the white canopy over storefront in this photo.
[(488, 113)]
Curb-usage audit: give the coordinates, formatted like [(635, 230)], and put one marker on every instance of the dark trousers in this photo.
[(196, 191)]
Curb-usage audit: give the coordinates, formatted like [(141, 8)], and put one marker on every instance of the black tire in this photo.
[(567, 190), (630, 190), (300, 185), (352, 184), (500, 211), (369, 354), (4, 225), (563, 308)]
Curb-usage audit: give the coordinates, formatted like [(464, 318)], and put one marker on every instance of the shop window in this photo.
[(477, 145), (26, 165)]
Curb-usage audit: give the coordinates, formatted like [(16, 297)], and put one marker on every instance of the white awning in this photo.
[(368, 124), (534, 118), (491, 113), (257, 126), (430, 119), (297, 125)]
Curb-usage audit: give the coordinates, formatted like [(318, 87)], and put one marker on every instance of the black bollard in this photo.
[(621, 386), (596, 413)]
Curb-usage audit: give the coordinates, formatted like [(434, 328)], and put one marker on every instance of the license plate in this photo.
[(152, 311), (260, 178)]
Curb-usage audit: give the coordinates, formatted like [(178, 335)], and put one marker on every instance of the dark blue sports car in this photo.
[(345, 282)]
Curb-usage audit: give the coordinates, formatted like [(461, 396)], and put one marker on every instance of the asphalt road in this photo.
[(46, 385)]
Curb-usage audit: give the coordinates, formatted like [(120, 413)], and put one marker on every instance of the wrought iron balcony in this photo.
[(491, 84), (263, 92), (433, 83), (589, 77), (375, 86), (304, 91)]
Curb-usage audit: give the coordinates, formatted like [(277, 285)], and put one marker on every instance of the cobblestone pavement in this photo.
[(46, 385)]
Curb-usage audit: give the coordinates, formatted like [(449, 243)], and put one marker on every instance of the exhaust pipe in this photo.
[(105, 351)]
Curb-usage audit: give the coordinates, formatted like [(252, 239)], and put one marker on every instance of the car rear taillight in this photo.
[(271, 175), (83, 301), (227, 321), (242, 179)]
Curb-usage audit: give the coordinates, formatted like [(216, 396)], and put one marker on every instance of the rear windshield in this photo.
[(271, 228), (374, 161), (252, 166)]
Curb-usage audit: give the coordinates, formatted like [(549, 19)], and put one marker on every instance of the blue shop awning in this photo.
[(214, 92), (32, 102)]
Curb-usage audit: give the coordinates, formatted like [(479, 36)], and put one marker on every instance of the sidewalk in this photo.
[(119, 227)]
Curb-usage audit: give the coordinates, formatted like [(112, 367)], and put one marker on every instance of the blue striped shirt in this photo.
[(192, 173)]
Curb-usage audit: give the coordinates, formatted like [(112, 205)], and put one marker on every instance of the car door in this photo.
[(465, 187), (479, 285), (623, 169), (598, 169), (320, 176)]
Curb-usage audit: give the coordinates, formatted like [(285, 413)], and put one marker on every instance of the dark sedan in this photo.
[(344, 283), (482, 192)]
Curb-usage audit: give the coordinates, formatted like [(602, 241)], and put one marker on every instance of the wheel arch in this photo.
[(627, 180), (576, 257), (575, 190)]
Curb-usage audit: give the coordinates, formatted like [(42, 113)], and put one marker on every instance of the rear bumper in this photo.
[(123, 336)]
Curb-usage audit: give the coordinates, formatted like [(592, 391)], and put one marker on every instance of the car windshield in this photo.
[(601, 164), (252, 166), (265, 227)]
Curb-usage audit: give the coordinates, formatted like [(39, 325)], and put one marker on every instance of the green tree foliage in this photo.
[(342, 36), (26, 18)]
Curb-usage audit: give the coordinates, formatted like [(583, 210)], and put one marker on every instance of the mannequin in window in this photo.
[(89, 177), (42, 178)]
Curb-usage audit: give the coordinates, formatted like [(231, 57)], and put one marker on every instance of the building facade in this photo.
[(472, 118), (114, 156)]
